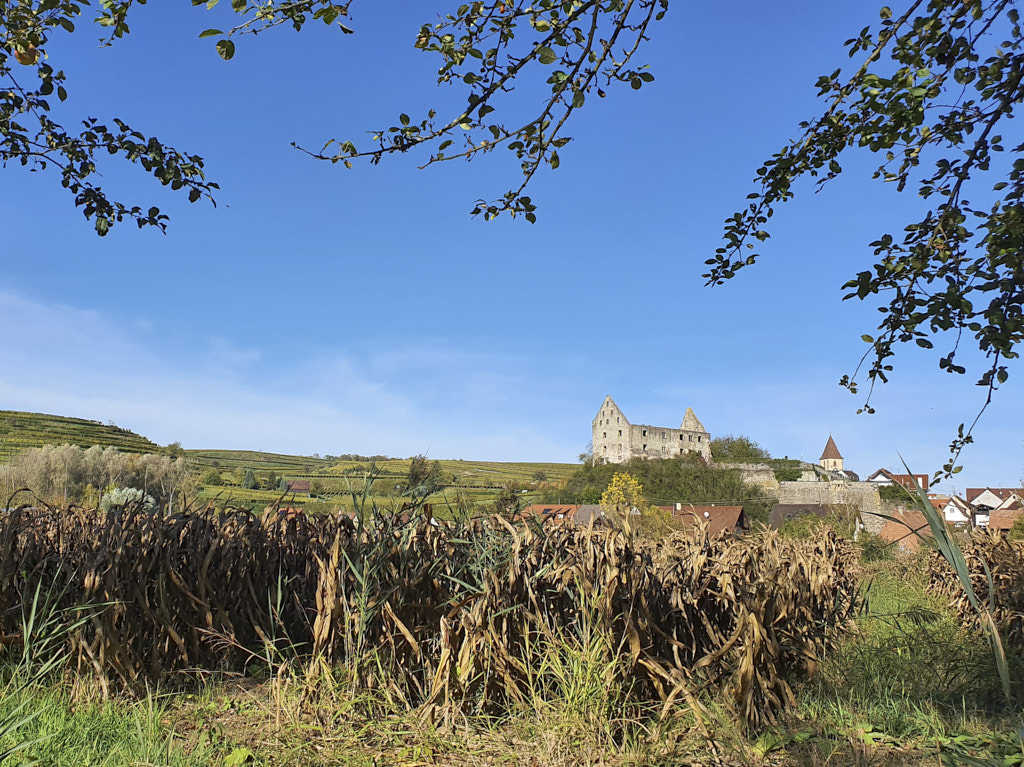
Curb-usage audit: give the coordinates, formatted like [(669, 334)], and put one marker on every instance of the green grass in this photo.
[(66, 731), (19, 431)]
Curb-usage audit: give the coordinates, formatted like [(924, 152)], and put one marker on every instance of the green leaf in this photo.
[(240, 756), (577, 99), (210, 33), (546, 55), (226, 49), (404, 119)]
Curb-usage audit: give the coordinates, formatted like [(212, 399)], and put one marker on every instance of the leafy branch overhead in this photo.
[(578, 48), (932, 96), (32, 138)]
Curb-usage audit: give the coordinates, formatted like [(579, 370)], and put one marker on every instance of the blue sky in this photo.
[(324, 310)]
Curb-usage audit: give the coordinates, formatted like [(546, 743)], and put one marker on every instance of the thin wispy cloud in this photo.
[(75, 361)]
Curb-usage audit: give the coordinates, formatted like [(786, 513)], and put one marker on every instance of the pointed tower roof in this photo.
[(830, 451), (690, 422)]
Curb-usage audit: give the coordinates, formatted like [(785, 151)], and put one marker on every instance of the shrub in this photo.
[(739, 449), (126, 498), (873, 548), (211, 478)]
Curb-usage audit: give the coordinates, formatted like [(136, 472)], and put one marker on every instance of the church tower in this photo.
[(830, 457)]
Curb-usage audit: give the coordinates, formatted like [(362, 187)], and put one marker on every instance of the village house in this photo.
[(783, 512), (886, 478), (987, 499), (955, 510)]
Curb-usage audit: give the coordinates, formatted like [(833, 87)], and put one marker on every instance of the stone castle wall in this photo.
[(760, 474), (860, 495)]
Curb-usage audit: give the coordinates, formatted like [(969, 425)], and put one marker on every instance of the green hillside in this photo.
[(330, 479), (289, 465), (23, 430)]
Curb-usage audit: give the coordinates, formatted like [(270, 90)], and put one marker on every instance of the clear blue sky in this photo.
[(324, 310)]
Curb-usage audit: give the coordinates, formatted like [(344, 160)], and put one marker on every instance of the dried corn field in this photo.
[(445, 617), (1004, 559)]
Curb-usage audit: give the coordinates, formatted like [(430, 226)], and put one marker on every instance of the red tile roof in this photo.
[(905, 534), (548, 511), (907, 480), (1003, 519), (1001, 492), (719, 518), (830, 451)]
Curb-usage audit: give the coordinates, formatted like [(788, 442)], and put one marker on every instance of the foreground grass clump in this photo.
[(450, 619)]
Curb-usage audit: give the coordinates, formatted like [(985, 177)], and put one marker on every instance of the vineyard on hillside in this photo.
[(19, 431)]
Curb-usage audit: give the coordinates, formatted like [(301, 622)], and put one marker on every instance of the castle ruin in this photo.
[(616, 440)]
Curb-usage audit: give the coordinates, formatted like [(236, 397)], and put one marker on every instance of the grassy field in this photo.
[(23, 430), (910, 687)]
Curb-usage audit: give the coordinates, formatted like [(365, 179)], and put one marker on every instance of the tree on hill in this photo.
[(211, 478), (249, 480), (623, 503), (424, 477), (936, 79), (730, 448)]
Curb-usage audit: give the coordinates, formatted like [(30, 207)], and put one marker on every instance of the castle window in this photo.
[(620, 432), (680, 437), (604, 434), (645, 447), (645, 432), (698, 438), (691, 437)]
